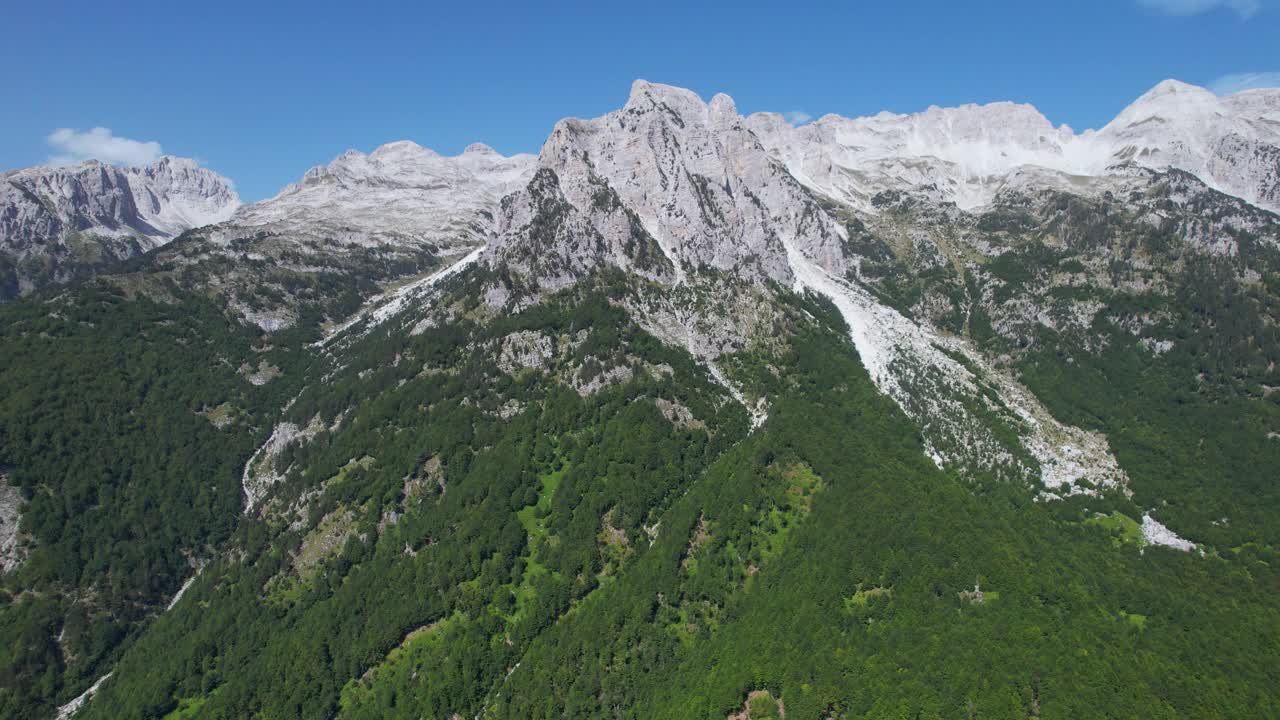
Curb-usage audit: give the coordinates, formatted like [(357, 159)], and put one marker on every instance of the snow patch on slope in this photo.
[(399, 192)]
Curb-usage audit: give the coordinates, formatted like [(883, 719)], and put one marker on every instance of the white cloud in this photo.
[(1244, 8), (797, 117), (73, 146), (1228, 84)]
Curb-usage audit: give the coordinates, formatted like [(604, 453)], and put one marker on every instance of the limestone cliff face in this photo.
[(965, 154), (58, 223), (671, 186)]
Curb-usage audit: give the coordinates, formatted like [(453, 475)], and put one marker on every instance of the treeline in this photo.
[(586, 557)]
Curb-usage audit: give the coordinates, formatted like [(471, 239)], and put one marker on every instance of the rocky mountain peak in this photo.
[(177, 194), (479, 149), (646, 96), (965, 154), (401, 192), (1171, 86), (722, 111), (687, 174), (676, 191), (401, 151), (57, 222)]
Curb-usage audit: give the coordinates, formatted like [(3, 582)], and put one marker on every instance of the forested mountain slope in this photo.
[(656, 425)]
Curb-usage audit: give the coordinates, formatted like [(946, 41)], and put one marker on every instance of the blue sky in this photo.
[(261, 91)]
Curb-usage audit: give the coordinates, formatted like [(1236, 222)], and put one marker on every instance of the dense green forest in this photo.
[(493, 543), (126, 424), (131, 403), (553, 514)]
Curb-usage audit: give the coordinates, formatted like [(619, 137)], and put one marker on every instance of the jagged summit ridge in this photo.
[(399, 192), (679, 190), (57, 222), (176, 194), (685, 175), (159, 200), (959, 150), (964, 154)]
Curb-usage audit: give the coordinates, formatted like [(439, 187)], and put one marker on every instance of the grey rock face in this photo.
[(966, 154), (400, 193), (667, 186), (59, 223)]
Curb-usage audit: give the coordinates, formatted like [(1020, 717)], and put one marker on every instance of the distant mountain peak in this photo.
[(1170, 100), (679, 101), (698, 189), (1171, 86), (400, 192), (968, 153), (401, 149), (109, 213)]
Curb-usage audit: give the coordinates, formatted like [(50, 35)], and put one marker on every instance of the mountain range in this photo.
[(692, 414), (965, 155), (62, 222)]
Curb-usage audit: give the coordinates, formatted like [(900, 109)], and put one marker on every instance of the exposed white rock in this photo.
[(616, 375), (680, 416), (260, 472), (10, 510), (963, 154), (401, 192), (175, 194), (263, 374), (758, 410), (710, 319), (270, 320), (387, 305), (687, 174), (185, 586), (68, 711), (907, 362), (525, 349), (156, 202), (79, 218), (1157, 534)]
